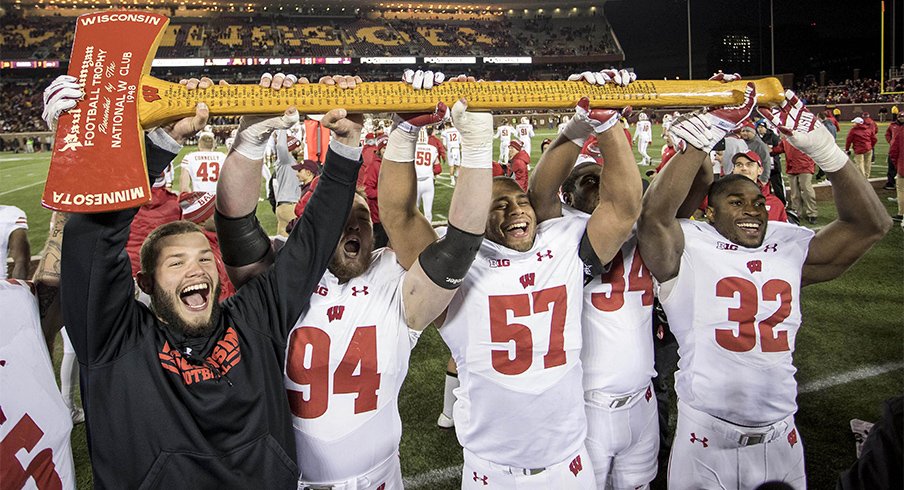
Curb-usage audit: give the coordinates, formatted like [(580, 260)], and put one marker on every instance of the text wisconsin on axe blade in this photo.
[(100, 19)]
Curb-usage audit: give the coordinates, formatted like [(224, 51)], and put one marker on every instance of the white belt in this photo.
[(613, 401), (739, 434)]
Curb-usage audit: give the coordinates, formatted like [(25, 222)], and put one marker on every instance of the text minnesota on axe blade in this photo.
[(100, 198)]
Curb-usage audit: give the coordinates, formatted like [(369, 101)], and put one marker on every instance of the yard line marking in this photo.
[(850, 376), (21, 188), (432, 477)]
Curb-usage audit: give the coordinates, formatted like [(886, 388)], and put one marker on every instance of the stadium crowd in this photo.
[(256, 390), (860, 91)]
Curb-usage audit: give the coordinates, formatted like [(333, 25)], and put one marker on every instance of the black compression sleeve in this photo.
[(242, 240), (447, 260), (592, 265)]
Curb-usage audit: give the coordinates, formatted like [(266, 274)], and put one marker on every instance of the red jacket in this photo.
[(163, 208), (518, 165), (367, 156), (896, 152), (498, 171), (797, 162), (370, 188), (440, 148), (862, 138), (893, 129)]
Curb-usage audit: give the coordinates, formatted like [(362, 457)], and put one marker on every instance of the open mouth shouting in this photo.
[(352, 246), (196, 296)]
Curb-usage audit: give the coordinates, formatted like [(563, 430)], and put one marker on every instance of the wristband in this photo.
[(401, 146)]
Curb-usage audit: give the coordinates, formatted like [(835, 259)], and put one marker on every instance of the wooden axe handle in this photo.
[(162, 101)]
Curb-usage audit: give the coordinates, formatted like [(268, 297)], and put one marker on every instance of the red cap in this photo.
[(516, 145), (197, 207), (309, 165), (747, 124), (750, 154), (293, 143)]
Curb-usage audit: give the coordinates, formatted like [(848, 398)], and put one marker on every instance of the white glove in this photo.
[(254, 131), (476, 130), (806, 132), (724, 77), (703, 130), (422, 79), (587, 120), (61, 95), (620, 77)]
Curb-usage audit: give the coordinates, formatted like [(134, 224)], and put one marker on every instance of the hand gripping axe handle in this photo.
[(98, 159)]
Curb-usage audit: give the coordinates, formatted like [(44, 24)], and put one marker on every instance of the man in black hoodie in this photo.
[(189, 393)]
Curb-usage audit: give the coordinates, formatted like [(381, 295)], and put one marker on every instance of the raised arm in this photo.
[(408, 230), (659, 235), (862, 220), (441, 267), (556, 163), (20, 252)]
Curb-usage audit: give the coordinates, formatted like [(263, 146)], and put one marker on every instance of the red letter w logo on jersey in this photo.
[(335, 312), (755, 266), (527, 280), (149, 93), (576, 466)]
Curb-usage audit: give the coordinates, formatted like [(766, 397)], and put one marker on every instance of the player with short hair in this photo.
[(348, 353), (452, 141), (201, 169), (525, 131), (425, 157), (514, 326), (643, 135), (504, 133), (731, 289)]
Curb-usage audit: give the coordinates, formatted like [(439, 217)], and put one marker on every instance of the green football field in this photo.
[(849, 354)]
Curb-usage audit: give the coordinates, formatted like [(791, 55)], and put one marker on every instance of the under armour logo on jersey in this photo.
[(382, 486), (772, 247), (703, 441), (648, 394), (576, 466), (792, 437), (527, 280), (755, 266), (322, 291), (547, 255), (363, 291), (483, 478), (335, 312)]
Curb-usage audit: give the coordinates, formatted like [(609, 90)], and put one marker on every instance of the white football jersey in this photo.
[(425, 156), (451, 138), (34, 433), (735, 312), (617, 356), (204, 168), (525, 132), (504, 133), (11, 219), (514, 332), (643, 131), (346, 359)]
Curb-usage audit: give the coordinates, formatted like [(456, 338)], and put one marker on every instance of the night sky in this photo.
[(837, 36)]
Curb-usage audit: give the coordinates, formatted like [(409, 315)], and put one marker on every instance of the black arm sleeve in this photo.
[(592, 265), (97, 293), (273, 301)]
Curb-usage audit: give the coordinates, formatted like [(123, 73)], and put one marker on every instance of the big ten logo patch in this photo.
[(321, 290), (25, 435), (494, 263), (726, 246)]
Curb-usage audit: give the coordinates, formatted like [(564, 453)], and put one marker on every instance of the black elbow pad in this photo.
[(447, 260), (242, 240)]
